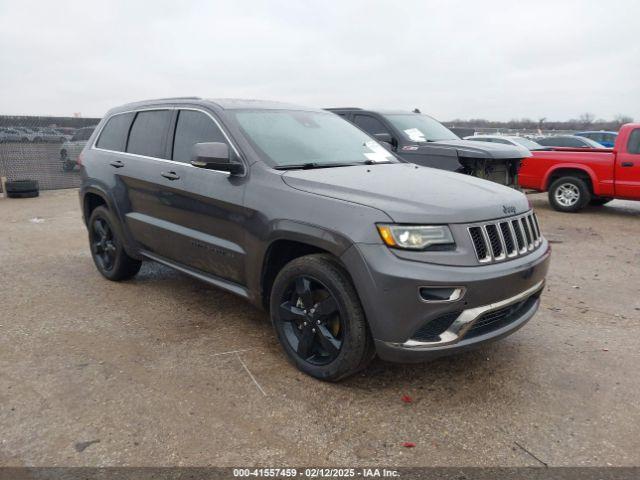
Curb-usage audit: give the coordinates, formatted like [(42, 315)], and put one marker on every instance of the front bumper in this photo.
[(389, 290)]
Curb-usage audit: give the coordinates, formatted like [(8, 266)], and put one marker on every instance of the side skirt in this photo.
[(205, 277)]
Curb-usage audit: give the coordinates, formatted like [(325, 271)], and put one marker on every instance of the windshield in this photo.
[(525, 142), (420, 128), (291, 137)]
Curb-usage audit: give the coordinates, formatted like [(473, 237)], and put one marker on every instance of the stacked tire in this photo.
[(22, 188)]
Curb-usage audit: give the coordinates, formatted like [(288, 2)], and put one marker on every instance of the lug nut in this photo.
[(313, 330), (305, 324), (318, 322)]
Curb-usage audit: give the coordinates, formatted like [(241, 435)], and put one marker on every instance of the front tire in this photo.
[(318, 318), (107, 250), (569, 194)]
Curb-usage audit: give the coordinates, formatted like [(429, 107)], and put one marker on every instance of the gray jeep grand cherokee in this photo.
[(352, 251)]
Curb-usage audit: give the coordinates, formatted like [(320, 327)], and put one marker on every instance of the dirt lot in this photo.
[(165, 370)]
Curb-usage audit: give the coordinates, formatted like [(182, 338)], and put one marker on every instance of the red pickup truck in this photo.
[(576, 177)]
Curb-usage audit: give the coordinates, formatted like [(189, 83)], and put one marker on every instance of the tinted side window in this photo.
[(370, 125), (576, 143), (634, 142), (193, 127), (114, 133), (148, 133)]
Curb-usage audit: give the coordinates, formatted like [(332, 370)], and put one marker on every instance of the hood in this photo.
[(412, 194), (473, 149)]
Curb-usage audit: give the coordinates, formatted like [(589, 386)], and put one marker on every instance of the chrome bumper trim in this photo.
[(465, 321)]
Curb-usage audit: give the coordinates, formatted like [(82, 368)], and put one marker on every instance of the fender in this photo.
[(296, 231), (573, 166), (129, 243)]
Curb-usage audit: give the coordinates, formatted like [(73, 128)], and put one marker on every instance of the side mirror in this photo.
[(386, 140), (214, 156)]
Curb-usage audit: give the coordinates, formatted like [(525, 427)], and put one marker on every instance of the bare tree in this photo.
[(621, 119), (586, 119)]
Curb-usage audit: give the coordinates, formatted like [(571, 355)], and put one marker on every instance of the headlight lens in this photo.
[(415, 237)]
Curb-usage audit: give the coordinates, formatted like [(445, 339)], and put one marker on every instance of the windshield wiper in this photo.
[(312, 165)]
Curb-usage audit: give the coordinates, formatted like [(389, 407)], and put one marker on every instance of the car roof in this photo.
[(597, 131), (223, 103), (373, 110), (559, 136)]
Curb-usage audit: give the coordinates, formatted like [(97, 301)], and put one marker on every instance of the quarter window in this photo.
[(114, 133), (148, 133), (193, 127)]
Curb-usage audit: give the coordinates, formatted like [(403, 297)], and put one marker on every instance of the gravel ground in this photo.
[(165, 370)]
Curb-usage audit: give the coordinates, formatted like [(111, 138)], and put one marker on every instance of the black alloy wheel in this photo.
[(102, 244), (107, 250), (312, 322), (318, 318)]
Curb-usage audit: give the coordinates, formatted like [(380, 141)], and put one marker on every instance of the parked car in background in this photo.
[(568, 141), (29, 134), (606, 139), (48, 135), (514, 140), (579, 177), (421, 139), (66, 132), (352, 251), (71, 149), (8, 135)]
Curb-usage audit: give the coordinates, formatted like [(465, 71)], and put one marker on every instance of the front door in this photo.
[(198, 217)]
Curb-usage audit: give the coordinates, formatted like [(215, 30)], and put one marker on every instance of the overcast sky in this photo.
[(454, 59)]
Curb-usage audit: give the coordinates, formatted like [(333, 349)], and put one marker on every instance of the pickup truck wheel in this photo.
[(569, 194), (318, 318), (599, 201), (107, 251)]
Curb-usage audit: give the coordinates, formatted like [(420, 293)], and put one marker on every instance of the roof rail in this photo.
[(154, 100)]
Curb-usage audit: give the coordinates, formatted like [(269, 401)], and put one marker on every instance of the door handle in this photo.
[(627, 164), (170, 175), (117, 164)]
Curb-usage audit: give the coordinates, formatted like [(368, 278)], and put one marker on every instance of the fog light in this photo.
[(441, 294)]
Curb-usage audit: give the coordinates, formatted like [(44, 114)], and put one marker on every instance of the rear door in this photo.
[(193, 216), (628, 167)]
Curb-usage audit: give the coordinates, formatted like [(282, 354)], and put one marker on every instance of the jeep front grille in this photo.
[(505, 239)]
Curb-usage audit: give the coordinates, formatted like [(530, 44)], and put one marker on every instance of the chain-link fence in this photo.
[(43, 149)]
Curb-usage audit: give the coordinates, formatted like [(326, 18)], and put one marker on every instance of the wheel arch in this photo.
[(579, 171), (293, 240), (93, 197)]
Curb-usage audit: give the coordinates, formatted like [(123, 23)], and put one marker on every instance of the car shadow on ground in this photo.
[(208, 309)]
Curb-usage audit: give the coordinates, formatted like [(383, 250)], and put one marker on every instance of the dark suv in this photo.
[(351, 251), (421, 139)]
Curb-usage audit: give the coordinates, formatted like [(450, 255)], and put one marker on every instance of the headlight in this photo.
[(415, 237)]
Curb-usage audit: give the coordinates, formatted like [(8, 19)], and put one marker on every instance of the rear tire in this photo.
[(107, 250), (569, 194), (331, 340)]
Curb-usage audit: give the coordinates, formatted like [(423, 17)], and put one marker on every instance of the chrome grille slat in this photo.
[(495, 242), (505, 239), (534, 233), (527, 233)]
